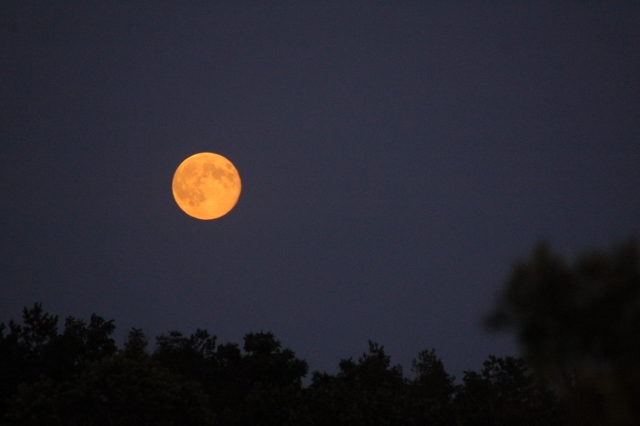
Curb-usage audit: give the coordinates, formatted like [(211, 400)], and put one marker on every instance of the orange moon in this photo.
[(206, 186)]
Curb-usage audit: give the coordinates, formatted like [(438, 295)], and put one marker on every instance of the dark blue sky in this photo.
[(395, 159)]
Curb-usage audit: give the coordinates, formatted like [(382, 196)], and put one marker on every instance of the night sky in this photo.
[(396, 159)]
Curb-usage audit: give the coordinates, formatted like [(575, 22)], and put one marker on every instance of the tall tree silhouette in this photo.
[(504, 392), (274, 377), (579, 325), (368, 392), (431, 391), (36, 349)]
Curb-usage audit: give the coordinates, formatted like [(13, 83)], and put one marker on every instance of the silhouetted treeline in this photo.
[(578, 325), (77, 376)]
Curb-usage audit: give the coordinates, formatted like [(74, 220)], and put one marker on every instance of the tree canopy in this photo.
[(579, 326), (78, 376)]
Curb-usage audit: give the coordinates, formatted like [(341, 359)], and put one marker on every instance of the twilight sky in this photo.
[(396, 158)]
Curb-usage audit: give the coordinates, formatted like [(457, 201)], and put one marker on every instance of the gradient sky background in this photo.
[(396, 158)]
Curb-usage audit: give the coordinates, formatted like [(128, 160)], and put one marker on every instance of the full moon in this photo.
[(206, 186)]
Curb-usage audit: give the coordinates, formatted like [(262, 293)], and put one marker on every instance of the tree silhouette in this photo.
[(113, 391), (36, 349), (274, 379), (367, 392), (579, 327), (192, 357), (136, 344), (267, 362), (79, 377), (431, 391), (260, 385), (504, 392)]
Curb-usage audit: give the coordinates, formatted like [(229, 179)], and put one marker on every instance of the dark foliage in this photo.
[(504, 392), (113, 391), (36, 349), (79, 377), (579, 326), (369, 391)]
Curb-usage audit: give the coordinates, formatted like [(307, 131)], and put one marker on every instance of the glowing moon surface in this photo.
[(206, 186)]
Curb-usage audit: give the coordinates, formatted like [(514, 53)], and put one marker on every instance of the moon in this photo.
[(206, 186)]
